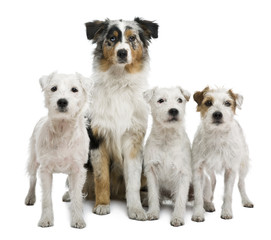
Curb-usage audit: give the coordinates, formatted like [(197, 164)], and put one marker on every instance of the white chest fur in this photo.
[(62, 150), (220, 150), (117, 102), (168, 155)]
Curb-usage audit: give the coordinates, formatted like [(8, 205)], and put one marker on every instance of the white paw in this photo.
[(78, 223), (248, 204), (198, 215), (226, 214), (176, 221), (46, 222), (101, 209), (137, 214), (198, 218), (152, 215), (209, 207), (30, 200)]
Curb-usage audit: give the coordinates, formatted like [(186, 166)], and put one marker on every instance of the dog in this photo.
[(118, 112), (167, 154), (60, 144), (219, 145)]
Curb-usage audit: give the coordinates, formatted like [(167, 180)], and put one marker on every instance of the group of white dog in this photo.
[(60, 143)]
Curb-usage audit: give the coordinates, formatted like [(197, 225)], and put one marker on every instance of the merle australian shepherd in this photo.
[(118, 112)]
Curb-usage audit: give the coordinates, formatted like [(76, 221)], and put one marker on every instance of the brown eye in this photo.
[(161, 100), (74, 90), (208, 103), (54, 89), (132, 38), (180, 100), (227, 103)]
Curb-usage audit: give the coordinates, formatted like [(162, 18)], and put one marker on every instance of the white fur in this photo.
[(218, 148), (167, 154), (119, 112), (60, 144)]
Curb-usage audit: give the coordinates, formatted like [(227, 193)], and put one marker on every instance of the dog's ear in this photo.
[(45, 80), (149, 28), (237, 98), (148, 94), (85, 82), (199, 96), (95, 29), (185, 93)]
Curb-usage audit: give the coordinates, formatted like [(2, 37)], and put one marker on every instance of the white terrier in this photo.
[(219, 145), (60, 144), (167, 154)]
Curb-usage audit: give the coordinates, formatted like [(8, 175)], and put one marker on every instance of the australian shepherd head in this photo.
[(121, 44)]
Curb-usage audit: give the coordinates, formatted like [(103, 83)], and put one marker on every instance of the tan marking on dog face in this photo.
[(199, 96), (136, 52), (201, 99), (233, 100), (109, 55), (203, 108), (115, 33)]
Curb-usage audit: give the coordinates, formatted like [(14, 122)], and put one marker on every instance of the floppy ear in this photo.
[(238, 98), (45, 80), (85, 82), (95, 29), (199, 96), (148, 94), (185, 93), (150, 29)]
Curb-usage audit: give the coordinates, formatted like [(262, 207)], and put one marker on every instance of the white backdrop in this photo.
[(216, 43)]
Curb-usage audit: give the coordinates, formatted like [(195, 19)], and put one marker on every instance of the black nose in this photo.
[(217, 115), (173, 112), (62, 103), (122, 53)]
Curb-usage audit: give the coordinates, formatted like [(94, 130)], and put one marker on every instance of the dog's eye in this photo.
[(208, 103), (113, 39), (74, 90), (180, 100), (54, 89), (227, 103), (132, 38), (161, 100)]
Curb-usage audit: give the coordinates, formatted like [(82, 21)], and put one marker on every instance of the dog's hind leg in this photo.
[(241, 185), (32, 168), (66, 197)]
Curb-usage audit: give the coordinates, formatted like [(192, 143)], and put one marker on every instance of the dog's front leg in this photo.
[(100, 163), (229, 179), (132, 175), (177, 218), (47, 217), (198, 212), (153, 194), (76, 182)]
